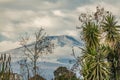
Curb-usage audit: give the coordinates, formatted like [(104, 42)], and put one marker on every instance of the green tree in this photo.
[(110, 27), (112, 37), (94, 66), (91, 34), (62, 73), (93, 62)]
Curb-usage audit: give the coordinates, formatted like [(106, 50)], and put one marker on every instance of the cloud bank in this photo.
[(57, 17)]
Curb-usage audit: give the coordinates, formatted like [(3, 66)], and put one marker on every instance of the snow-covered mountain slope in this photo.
[(61, 56), (65, 40)]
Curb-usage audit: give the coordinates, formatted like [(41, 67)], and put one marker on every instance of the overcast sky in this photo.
[(57, 17)]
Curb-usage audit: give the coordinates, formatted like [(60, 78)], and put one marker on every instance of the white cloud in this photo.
[(8, 31), (6, 1), (12, 14), (6, 45), (59, 13), (8, 35), (43, 21)]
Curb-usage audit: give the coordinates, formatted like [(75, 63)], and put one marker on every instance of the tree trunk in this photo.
[(35, 71), (118, 61), (35, 68), (118, 65)]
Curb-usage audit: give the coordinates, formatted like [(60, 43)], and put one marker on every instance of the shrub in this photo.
[(62, 73)]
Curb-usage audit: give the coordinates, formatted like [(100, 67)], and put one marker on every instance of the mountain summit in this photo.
[(65, 40)]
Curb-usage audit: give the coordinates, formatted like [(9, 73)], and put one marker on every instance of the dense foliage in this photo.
[(100, 59)]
